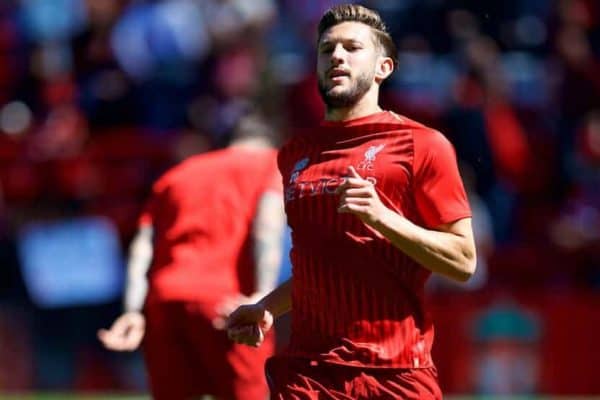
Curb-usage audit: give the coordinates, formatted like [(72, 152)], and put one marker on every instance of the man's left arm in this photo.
[(267, 231), (449, 249)]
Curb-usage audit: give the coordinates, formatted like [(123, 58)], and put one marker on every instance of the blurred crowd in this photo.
[(98, 97)]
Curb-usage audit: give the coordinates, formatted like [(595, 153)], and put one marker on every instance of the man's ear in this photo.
[(384, 68)]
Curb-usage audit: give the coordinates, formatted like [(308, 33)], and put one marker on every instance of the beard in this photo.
[(348, 97)]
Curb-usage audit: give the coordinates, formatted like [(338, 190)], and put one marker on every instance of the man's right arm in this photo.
[(128, 330), (140, 258), (279, 301), (267, 231), (249, 323)]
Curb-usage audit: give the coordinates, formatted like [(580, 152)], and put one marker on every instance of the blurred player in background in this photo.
[(209, 240), (376, 204)]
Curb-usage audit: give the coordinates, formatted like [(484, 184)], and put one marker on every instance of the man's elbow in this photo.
[(467, 267)]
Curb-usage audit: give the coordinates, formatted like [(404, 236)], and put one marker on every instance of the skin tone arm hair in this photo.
[(140, 258), (268, 229), (126, 333)]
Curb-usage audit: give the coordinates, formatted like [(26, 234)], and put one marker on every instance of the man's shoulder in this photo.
[(419, 130), (430, 139), (186, 167), (183, 166), (426, 139), (404, 122)]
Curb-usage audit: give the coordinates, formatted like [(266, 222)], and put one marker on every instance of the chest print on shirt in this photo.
[(370, 156), (297, 189)]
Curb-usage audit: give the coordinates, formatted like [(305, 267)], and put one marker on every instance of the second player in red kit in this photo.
[(209, 239)]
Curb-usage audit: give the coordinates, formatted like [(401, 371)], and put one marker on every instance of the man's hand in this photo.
[(248, 324), (230, 304), (359, 197), (126, 332)]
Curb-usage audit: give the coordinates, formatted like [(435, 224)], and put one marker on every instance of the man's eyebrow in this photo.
[(328, 42)]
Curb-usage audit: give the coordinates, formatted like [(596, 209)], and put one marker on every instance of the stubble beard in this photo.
[(346, 98)]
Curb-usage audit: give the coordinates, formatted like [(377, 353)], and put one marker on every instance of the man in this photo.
[(212, 233), (375, 204)]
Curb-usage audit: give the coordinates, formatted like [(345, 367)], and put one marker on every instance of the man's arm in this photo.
[(140, 258), (128, 330), (267, 232), (279, 301), (449, 249), (249, 323)]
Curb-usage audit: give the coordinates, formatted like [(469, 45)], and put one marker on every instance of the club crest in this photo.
[(370, 156)]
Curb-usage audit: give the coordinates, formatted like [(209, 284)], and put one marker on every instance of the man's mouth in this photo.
[(338, 73)]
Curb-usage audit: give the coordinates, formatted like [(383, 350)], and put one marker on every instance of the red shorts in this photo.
[(298, 379), (186, 357)]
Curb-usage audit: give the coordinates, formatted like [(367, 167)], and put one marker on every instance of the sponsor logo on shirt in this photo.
[(370, 156), (323, 186), (299, 166)]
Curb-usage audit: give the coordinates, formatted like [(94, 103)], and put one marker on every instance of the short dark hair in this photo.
[(254, 125), (357, 13)]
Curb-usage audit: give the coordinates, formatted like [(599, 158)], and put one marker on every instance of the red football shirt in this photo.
[(357, 299), (202, 212)]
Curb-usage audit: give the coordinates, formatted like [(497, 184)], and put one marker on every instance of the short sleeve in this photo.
[(440, 195)]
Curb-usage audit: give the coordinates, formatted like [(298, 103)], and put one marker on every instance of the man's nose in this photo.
[(338, 54)]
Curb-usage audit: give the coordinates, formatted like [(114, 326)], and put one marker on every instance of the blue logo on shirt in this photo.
[(299, 166)]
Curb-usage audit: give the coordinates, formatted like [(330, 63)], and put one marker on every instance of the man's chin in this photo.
[(338, 100), (338, 96)]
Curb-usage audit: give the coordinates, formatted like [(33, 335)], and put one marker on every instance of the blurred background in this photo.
[(99, 97)]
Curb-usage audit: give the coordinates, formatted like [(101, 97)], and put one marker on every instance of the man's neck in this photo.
[(367, 105)]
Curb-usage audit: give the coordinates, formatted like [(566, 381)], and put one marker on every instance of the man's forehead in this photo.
[(349, 30)]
